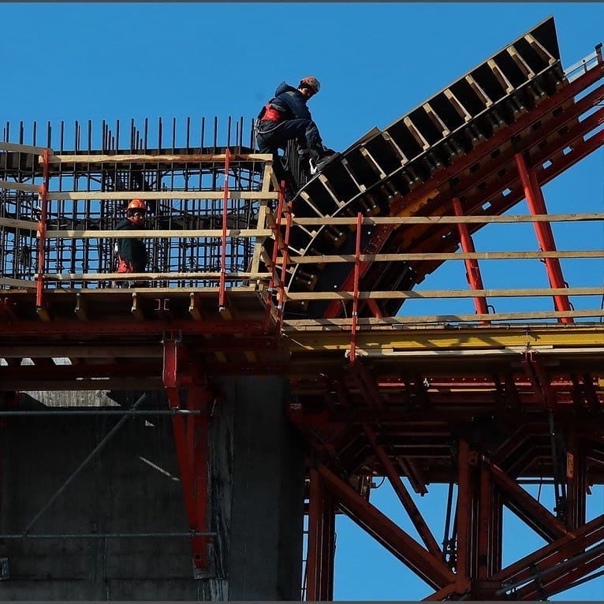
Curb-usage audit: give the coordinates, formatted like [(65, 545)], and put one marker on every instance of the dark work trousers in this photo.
[(271, 136)]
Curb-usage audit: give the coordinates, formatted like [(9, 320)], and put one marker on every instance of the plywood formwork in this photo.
[(247, 279)]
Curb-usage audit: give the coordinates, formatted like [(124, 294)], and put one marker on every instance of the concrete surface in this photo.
[(132, 486)]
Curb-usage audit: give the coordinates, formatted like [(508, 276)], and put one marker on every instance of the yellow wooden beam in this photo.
[(454, 339)]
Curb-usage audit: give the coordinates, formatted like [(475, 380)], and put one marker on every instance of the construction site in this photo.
[(193, 432)]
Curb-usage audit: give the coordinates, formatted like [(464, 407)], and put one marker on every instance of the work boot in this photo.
[(325, 160), (315, 154)]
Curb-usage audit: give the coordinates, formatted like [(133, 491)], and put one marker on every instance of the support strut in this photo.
[(543, 230), (321, 541), (191, 437), (473, 275)]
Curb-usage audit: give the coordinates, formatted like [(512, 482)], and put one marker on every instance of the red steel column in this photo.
[(576, 482), (490, 512), (321, 542), (191, 439), (543, 230), (198, 441), (464, 512)]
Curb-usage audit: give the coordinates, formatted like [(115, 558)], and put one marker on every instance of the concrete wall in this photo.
[(132, 486)]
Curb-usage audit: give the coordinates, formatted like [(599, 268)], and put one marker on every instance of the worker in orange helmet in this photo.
[(131, 252), (286, 117)]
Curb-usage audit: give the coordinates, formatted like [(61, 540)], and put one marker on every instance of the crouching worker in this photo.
[(286, 117), (131, 251)]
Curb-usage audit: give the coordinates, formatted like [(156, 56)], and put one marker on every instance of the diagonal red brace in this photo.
[(545, 236), (472, 269)]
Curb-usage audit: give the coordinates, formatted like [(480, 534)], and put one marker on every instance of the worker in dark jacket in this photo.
[(286, 117), (131, 251)]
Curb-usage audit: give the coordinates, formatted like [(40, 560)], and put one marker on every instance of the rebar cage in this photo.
[(185, 188)]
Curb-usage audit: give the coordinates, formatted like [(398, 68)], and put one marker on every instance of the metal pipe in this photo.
[(446, 539), (580, 582), (108, 535), (93, 454), (548, 571), (128, 412)]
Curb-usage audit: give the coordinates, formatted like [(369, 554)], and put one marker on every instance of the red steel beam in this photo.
[(528, 509), (404, 497), (66, 328), (432, 570), (560, 580), (473, 275), (441, 594), (543, 230), (557, 551)]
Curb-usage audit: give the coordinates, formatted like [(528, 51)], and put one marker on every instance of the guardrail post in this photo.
[(42, 231), (222, 285), (281, 297), (355, 295)]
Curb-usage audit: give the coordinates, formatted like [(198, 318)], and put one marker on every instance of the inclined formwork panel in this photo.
[(458, 144)]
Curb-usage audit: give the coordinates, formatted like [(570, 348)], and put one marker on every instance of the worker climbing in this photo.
[(286, 117), (131, 251)]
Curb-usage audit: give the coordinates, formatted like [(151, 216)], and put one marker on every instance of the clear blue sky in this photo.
[(376, 62)]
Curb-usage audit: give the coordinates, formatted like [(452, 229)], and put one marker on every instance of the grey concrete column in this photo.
[(265, 557)]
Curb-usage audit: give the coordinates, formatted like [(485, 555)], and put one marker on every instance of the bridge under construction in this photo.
[(281, 353)]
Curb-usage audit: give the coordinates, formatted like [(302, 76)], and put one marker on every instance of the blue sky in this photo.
[(376, 62)]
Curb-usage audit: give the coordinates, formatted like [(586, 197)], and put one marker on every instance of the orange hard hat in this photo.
[(136, 204), (312, 83)]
